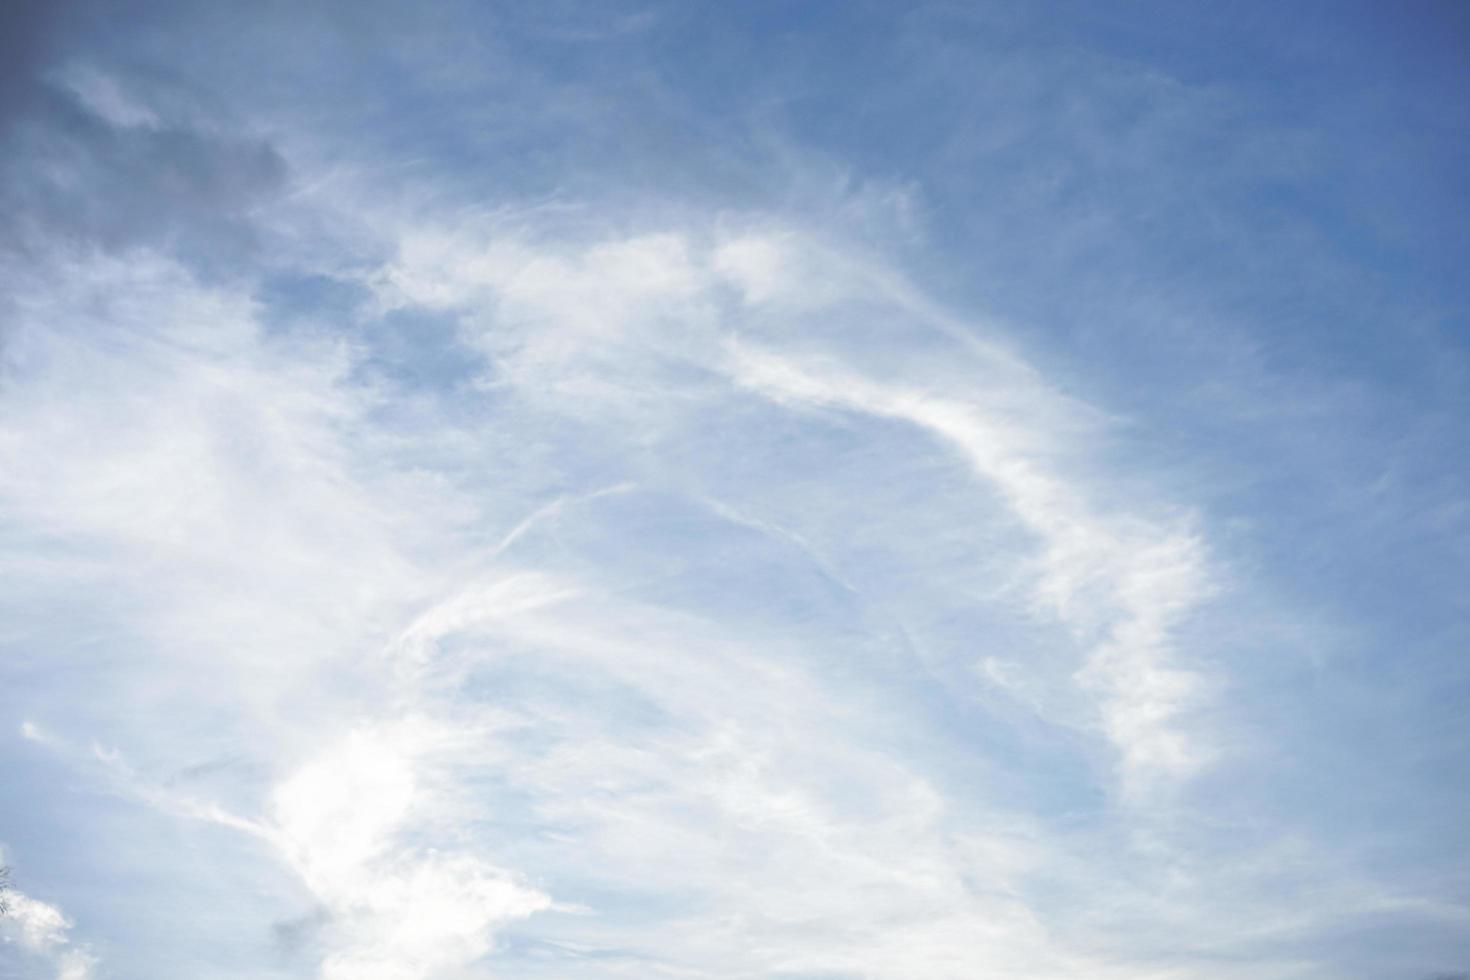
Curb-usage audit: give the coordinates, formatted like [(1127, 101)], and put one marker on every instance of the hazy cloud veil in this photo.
[(761, 490)]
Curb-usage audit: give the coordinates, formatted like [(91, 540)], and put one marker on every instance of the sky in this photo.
[(802, 490)]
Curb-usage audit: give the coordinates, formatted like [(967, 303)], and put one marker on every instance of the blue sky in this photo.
[(792, 490)]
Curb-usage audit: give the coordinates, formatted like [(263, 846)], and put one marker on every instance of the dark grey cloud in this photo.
[(27, 28), (72, 178)]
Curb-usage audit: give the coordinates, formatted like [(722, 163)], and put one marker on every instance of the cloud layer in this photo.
[(649, 559)]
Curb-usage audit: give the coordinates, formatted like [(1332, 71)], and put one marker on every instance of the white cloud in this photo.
[(491, 669), (638, 586), (1124, 581), (398, 911), (42, 930)]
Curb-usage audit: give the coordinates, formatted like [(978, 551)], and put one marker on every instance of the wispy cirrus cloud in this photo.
[(611, 553), (617, 748), (663, 739)]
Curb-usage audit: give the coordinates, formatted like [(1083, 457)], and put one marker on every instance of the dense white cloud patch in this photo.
[(41, 930), (398, 911)]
